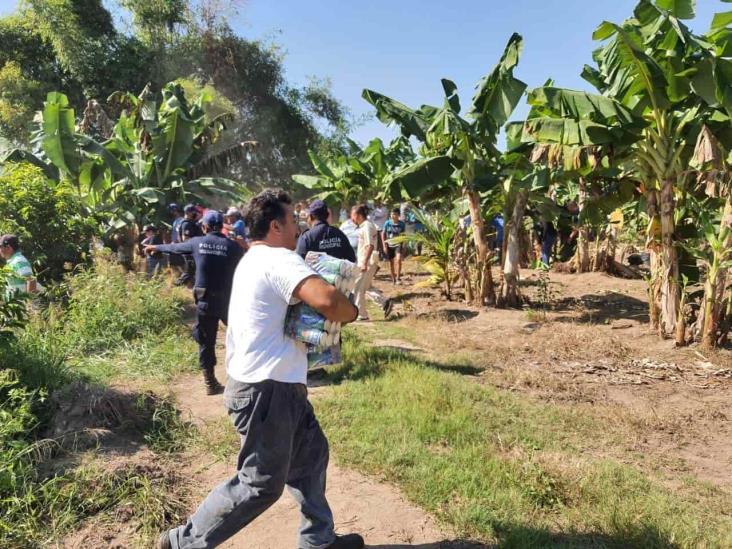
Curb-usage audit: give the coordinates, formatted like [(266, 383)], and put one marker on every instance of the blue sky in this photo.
[(403, 47)]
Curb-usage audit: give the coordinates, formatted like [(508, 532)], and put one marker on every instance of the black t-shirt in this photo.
[(326, 239), (189, 229)]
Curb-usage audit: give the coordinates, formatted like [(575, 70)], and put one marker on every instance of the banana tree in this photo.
[(585, 139), (155, 154), (342, 179), (713, 216), (382, 162), (459, 152), (654, 67), (437, 242)]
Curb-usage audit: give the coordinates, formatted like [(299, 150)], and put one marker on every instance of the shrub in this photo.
[(108, 307), (54, 230)]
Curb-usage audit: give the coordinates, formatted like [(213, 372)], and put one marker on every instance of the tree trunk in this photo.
[(653, 245), (713, 309), (669, 264), (481, 247), (510, 295), (583, 236)]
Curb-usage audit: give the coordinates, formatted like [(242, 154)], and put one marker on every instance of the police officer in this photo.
[(216, 258), (322, 237), (187, 229)]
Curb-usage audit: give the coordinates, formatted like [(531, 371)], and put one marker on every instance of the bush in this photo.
[(108, 307), (55, 231)]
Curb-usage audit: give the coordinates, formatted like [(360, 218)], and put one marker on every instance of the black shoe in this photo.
[(388, 306), (213, 387), (164, 541), (347, 541)]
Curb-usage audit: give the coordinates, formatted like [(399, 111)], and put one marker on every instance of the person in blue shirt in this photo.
[(235, 227), (216, 258), (393, 228), (323, 237)]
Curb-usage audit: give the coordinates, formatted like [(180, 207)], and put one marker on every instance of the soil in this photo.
[(360, 504), (585, 342)]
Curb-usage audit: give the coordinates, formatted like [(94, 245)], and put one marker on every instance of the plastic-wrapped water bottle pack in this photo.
[(305, 324)]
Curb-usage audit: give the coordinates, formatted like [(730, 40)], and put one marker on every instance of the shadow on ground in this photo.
[(598, 309), (454, 544), (450, 315), (363, 361), (535, 538), (110, 420)]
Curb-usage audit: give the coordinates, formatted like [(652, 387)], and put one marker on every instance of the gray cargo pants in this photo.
[(281, 444)]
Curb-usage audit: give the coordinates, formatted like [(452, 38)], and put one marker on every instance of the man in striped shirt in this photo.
[(20, 267)]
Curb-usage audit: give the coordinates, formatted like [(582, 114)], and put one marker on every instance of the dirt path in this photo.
[(360, 504)]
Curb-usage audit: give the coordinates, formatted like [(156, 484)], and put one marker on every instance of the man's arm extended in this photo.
[(325, 299), (180, 248)]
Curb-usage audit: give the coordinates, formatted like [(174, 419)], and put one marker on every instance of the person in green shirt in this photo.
[(20, 268)]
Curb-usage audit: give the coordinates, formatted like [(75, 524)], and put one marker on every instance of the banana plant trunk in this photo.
[(583, 237), (714, 289), (485, 288), (510, 294), (669, 263)]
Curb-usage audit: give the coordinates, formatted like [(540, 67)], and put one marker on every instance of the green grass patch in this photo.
[(156, 358), (42, 514), (502, 467)]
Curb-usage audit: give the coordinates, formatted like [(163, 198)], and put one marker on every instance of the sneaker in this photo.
[(388, 306), (164, 541), (347, 541), (363, 319)]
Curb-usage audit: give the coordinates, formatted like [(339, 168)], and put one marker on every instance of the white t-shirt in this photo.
[(257, 348), (367, 235), (379, 216)]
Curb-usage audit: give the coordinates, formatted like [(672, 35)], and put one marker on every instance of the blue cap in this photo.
[(190, 208), (173, 206), (212, 218), (318, 209)]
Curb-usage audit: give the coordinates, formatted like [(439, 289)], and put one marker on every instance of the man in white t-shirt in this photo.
[(379, 217), (366, 257), (282, 443)]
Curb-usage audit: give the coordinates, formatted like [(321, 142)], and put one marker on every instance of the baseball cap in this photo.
[(233, 211), (318, 209), (190, 208), (9, 240), (173, 207), (212, 218)]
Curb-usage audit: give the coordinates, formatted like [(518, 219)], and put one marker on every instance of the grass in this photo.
[(502, 467), (114, 328), (130, 494), (156, 359)]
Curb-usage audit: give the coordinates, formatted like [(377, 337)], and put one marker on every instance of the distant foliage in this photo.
[(54, 232)]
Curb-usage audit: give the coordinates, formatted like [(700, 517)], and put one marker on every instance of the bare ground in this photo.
[(360, 504), (587, 345)]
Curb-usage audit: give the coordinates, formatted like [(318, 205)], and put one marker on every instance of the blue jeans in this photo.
[(550, 237), (282, 444)]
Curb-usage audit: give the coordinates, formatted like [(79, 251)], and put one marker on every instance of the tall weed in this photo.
[(108, 307)]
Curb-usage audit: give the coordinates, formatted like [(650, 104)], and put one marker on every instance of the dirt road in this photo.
[(360, 504)]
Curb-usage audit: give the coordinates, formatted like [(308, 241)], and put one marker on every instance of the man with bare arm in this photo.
[(282, 443)]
